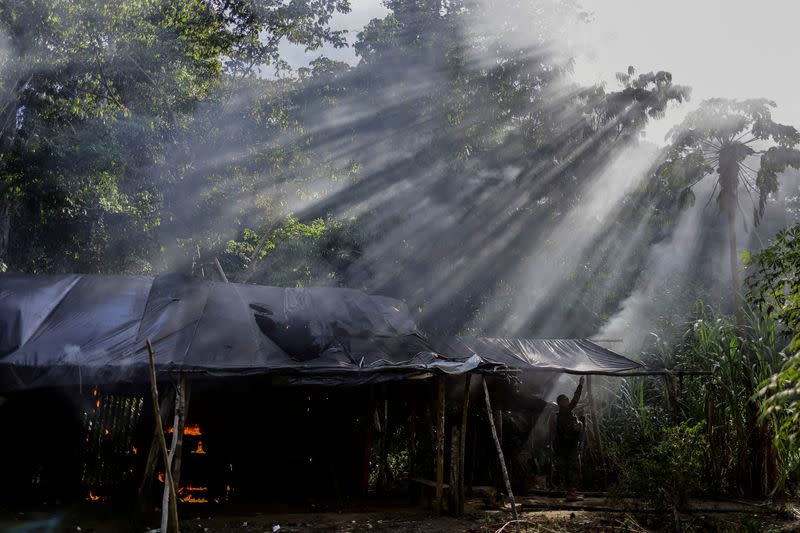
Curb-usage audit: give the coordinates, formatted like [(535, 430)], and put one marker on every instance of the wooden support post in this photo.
[(412, 438), (670, 397), (463, 446), (179, 422), (497, 416), (453, 502), (220, 271), (499, 450), (197, 270), (383, 461), (368, 437), (155, 449), (170, 511), (440, 444), (473, 463)]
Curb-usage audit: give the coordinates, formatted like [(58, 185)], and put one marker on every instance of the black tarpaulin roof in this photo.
[(61, 330)]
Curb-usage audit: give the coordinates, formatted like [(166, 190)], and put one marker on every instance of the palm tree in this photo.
[(717, 139)]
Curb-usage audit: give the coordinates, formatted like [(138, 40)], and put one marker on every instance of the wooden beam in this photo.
[(369, 431), (455, 475), (629, 374), (186, 388), (623, 374), (463, 445), (178, 424), (154, 451), (219, 270), (176, 447), (499, 450), (171, 510), (440, 444), (412, 439), (383, 460)]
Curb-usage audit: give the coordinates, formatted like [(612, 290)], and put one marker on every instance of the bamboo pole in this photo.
[(176, 448), (172, 509), (440, 445), (499, 450), (463, 445), (155, 447), (220, 271)]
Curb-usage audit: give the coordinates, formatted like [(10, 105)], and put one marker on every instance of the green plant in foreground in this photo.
[(669, 439), (774, 289)]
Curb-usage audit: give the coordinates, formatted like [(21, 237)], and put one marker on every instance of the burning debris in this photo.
[(191, 430), (189, 494)]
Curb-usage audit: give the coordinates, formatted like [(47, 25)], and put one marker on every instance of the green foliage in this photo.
[(670, 469), (99, 100), (296, 254), (774, 289), (781, 395), (773, 286), (716, 138), (740, 357), (731, 448), (149, 129)]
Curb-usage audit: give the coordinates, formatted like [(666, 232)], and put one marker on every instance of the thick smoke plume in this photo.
[(456, 166)]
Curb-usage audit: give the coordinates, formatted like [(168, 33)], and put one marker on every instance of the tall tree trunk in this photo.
[(734, 259), (729, 158)]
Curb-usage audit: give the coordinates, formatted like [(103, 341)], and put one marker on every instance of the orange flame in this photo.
[(199, 450), (161, 477), (189, 498), (186, 496), (92, 497), (192, 488), (135, 450), (193, 430)]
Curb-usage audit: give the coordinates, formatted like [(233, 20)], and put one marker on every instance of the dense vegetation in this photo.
[(457, 166)]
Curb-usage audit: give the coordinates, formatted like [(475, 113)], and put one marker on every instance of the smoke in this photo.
[(689, 265), (558, 252), (478, 233), (456, 166), (660, 285)]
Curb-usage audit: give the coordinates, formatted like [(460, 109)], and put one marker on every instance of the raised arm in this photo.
[(577, 395)]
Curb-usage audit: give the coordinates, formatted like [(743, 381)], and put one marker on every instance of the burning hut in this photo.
[(265, 393)]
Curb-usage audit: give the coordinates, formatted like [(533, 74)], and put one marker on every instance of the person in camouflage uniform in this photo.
[(568, 434)]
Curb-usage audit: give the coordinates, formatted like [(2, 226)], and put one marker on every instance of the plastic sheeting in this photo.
[(63, 330), (565, 355)]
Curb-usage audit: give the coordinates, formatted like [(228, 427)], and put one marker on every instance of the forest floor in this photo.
[(591, 515)]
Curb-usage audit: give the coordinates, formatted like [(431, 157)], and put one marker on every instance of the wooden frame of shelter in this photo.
[(59, 330)]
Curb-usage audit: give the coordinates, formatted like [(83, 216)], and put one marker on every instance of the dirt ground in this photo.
[(404, 519)]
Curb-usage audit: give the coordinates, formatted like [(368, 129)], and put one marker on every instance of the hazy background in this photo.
[(715, 38)]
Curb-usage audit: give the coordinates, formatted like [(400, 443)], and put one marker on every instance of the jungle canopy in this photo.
[(71, 329)]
